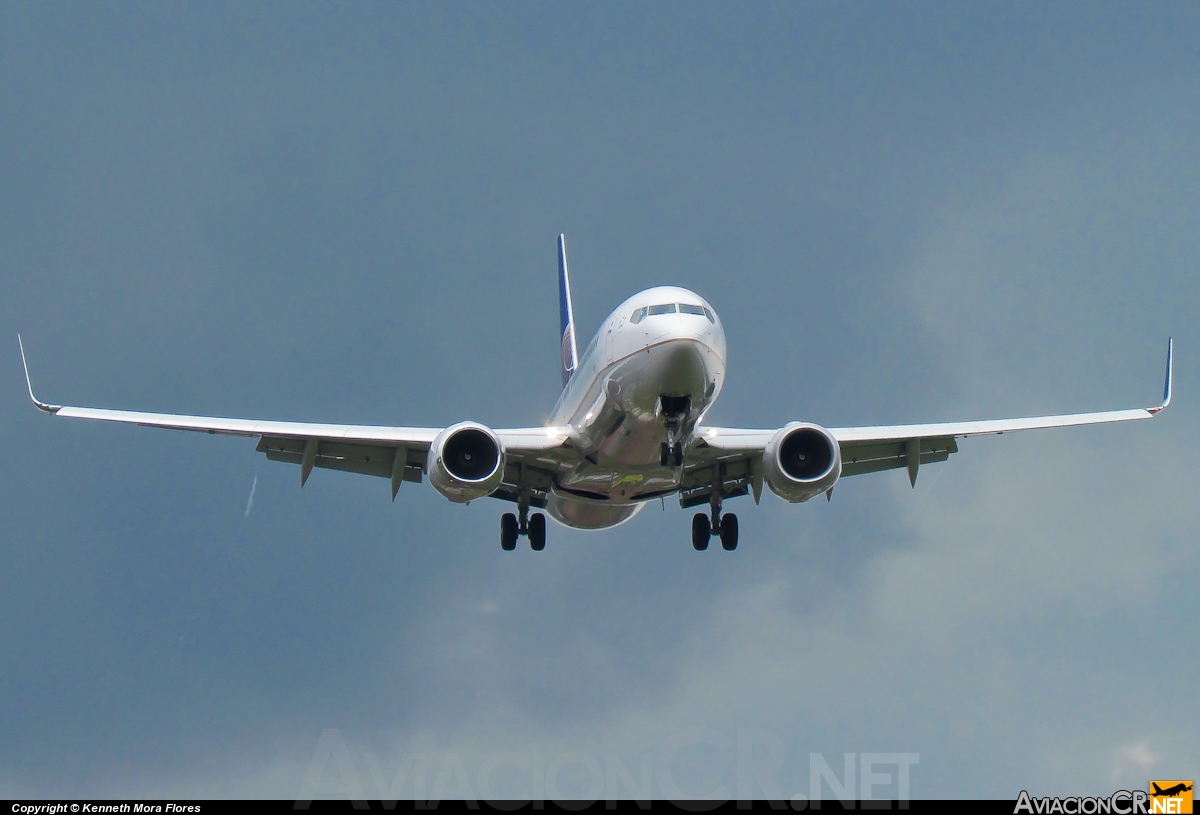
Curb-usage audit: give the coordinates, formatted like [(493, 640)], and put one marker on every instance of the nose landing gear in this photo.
[(532, 526), (673, 409)]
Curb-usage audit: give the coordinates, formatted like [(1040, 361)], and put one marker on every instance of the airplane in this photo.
[(1182, 786), (628, 428)]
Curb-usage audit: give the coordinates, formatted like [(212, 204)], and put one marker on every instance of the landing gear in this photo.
[(534, 526), (729, 531), (537, 532), (674, 411), (508, 531), (723, 525), (701, 532)]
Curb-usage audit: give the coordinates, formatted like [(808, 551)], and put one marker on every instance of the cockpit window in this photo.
[(701, 311), (671, 308)]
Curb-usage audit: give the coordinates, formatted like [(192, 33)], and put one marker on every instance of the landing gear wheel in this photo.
[(678, 455), (537, 532), (664, 455), (701, 532), (729, 531), (508, 532)]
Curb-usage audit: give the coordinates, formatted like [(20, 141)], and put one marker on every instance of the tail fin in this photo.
[(566, 318)]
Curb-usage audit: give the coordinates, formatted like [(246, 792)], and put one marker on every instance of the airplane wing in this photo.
[(731, 458), (396, 453)]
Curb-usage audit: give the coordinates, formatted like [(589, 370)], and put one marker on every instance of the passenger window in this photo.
[(710, 316), (638, 315), (685, 308), (667, 308)]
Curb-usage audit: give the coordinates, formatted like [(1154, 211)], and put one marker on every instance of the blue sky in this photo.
[(902, 212)]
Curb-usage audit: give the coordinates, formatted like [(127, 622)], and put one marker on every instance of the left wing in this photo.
[(396, 453), (732, 457)]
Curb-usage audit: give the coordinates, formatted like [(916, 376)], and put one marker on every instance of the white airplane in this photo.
[(628, 428)]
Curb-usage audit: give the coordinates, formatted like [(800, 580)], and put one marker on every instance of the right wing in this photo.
[(396, 453), (730, 459)]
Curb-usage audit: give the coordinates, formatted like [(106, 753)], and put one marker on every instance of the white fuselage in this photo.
[(648, 376)]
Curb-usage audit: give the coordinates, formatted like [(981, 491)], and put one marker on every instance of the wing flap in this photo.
[(522, 478), (365, 459), (858, 459), (729, 477)]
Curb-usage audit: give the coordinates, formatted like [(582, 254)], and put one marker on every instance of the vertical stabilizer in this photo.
[(566, 317)]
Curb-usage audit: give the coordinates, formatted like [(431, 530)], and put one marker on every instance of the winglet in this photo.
[(28, 384), (566, 316), (1167, 384)]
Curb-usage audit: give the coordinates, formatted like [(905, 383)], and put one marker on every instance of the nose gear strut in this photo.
[(673, 409)]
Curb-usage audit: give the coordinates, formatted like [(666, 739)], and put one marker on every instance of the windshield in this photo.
[(671, 308)]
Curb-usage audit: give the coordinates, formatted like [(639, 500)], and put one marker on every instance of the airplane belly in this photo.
[(587, 514), (618, 485)]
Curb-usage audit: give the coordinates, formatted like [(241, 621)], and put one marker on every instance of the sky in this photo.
[(902, 212)]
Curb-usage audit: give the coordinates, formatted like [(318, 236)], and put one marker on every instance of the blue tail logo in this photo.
[(566, 319)]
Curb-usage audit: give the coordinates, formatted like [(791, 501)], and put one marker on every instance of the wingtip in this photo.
[(29, 384), (1167, 381)]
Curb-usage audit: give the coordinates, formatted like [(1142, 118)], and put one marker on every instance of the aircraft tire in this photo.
[(537, 532), (701, 532), (508, 532), (729, 531)]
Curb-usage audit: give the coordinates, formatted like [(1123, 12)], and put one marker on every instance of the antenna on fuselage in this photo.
[(566, 317)]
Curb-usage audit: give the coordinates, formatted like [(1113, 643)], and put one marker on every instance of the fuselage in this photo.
[(645, 380)]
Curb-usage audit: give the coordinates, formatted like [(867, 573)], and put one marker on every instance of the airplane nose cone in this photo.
[(684, 367)]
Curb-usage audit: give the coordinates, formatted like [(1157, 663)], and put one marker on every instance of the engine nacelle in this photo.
[(466, 461), (801, 461)]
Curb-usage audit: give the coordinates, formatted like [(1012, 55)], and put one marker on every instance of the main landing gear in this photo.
[(533, 526), (723, 525)]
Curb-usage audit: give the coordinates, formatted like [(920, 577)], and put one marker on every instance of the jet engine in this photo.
[(801, 461), (466, 461)]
